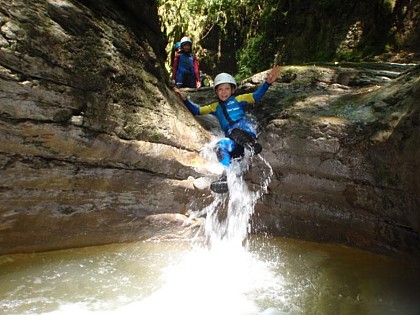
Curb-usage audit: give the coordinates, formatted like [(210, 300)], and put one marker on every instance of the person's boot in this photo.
[(256, 148), (220, 186)]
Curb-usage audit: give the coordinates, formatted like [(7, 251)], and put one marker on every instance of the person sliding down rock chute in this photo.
[(230, 111)]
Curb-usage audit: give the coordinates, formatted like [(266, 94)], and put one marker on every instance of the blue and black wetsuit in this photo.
[(186, 71), (230, 118)]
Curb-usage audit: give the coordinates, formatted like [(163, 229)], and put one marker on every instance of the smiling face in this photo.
[(224, 91)]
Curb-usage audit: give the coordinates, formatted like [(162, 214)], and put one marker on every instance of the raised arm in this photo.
[(273, 74), (271, 77)]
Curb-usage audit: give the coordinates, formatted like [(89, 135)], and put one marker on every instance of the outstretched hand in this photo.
[(273, 74), (181, 94)]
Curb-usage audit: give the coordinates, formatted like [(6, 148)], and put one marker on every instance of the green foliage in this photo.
[(350, 55), (262, 32), (255, 56), (155, 136), (192, 18), (235, 20), (182, 18)]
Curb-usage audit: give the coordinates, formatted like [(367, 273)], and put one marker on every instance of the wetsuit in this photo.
[(186, 71), (230, 118)]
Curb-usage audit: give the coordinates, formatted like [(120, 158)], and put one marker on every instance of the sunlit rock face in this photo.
[(91, 140), (345, 159)]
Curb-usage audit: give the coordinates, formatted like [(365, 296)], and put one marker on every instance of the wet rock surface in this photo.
[(92, 142), (345, 160), (342, 140)]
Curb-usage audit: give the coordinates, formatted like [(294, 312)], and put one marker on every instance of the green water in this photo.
[(291, 277)]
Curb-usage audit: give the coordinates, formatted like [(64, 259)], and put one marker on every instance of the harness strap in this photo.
[(226, 114)]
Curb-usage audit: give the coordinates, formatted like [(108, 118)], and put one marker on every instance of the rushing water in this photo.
[(178, 278), (227, 273)]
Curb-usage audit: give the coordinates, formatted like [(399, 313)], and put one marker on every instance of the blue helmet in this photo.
[(177, 45)]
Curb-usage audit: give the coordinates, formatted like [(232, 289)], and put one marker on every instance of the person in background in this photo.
[(240, 133), (186, 72), (177, 47), (176, 51)]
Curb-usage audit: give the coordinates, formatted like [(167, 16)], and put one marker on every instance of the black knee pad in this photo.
[(257, 148), (241, 137)]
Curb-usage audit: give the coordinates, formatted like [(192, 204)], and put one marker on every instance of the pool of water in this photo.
[(266, 276), (223, 272)]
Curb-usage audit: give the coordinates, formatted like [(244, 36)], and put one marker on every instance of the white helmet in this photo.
[(224, 78), (185, 39)]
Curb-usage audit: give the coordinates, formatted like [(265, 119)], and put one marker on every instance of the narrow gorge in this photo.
[(95, 148)]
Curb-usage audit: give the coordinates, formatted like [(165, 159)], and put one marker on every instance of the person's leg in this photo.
[(179, 80), (238, 152), (245, 138), (223, 151), (189, 80), (247, 126)]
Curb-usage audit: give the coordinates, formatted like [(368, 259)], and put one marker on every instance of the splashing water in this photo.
[(228, 216), (223, 275), (218, 278), (215, 281)]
